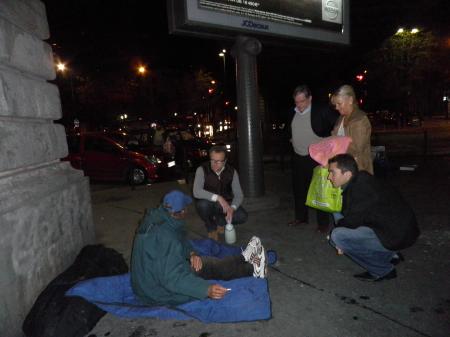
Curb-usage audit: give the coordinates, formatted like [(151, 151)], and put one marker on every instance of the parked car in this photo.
[(141, 141), (103, 158), (190, 151)]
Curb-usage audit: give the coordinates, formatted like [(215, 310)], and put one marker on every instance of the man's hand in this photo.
[(225, 205), (216, 291), (196, 262), (229, 215)]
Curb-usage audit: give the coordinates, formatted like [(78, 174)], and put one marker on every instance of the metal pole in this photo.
[(249, 130)]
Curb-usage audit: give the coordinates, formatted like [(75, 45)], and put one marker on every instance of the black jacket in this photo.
[(377, 205), (323, 118)]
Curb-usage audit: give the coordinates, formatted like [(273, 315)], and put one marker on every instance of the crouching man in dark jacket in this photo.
[(375, 221), (165, 269)]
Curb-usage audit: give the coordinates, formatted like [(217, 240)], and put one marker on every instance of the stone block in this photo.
[(30, 142), (25, 52), (28, 15), (22, 96), (46, 221)]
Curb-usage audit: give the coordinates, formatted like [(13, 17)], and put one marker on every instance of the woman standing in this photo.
[(353, 123)]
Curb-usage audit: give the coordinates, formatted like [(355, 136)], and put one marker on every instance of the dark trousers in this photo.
[(212, 214), (302, 170), (227, 268)]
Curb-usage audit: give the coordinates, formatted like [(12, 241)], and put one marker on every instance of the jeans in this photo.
[(227, 268), (363, 246), (212, 214), (337, 216)]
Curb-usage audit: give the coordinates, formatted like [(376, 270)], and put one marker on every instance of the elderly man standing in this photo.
[(375, 221), (310, 122), (218, 193)]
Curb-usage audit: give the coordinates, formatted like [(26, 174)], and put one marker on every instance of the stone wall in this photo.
[(45, 208)]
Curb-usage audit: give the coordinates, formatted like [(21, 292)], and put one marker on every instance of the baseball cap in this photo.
[(176, 200)]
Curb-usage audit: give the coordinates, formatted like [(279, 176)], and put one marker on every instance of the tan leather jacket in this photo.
[(357, 126)]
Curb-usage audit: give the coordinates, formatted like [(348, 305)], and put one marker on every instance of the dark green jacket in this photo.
[(160, 269)]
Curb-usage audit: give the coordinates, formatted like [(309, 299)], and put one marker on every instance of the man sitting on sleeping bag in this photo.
[(166, 271)]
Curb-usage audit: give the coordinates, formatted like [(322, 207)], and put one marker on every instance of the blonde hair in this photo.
[(347, 90)]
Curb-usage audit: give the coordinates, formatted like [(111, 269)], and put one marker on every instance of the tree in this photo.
[(409, 73)]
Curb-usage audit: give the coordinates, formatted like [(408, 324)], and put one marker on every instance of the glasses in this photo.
[(217, 161)]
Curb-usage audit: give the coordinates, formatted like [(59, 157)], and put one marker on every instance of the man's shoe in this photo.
[(367, 277), (251, 249), (296, 223), (259, 262), (257, 256), (397, 259), (213, 235)]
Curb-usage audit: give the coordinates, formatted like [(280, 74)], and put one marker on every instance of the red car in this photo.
[(103, 158)]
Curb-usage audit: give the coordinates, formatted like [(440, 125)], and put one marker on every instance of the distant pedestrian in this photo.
[(355, 124), (375, 221), (158, 136), (218, 193), (310, 122)]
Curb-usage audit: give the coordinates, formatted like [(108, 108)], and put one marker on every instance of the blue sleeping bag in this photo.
[(248, 299)]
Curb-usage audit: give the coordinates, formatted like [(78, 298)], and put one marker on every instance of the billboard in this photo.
[(318, 20)]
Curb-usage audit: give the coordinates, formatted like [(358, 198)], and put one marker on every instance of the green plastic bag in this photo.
[(321, 194)]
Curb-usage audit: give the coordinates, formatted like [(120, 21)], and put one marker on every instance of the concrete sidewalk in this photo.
[(312, 289)]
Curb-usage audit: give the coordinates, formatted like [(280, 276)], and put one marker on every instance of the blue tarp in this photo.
[(248, 299)]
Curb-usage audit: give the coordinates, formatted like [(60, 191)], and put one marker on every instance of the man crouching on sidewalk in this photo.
[(375, 222)]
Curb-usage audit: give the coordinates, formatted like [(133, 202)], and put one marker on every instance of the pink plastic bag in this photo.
[(328, 148)]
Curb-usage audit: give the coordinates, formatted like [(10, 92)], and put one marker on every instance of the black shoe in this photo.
[(324, 229), (367, 277), (396, 260)]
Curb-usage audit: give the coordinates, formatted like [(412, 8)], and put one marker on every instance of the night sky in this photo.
[(99, 37)]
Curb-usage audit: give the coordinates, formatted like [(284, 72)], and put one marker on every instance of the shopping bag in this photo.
[(321, 194), (328, 148)]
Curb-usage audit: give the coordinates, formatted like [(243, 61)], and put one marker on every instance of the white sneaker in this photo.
[(256, 255), (259, 261), (251, 248)]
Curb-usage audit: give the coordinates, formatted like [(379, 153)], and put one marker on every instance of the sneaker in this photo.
[(259, 262), (257, 256), (251, 248)]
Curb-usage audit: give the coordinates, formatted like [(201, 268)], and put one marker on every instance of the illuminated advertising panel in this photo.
[(319, 20)]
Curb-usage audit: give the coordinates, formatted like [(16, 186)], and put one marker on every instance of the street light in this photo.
[(403, 31), (223, 56), (65, 71), (141, 70), (61, 67)]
